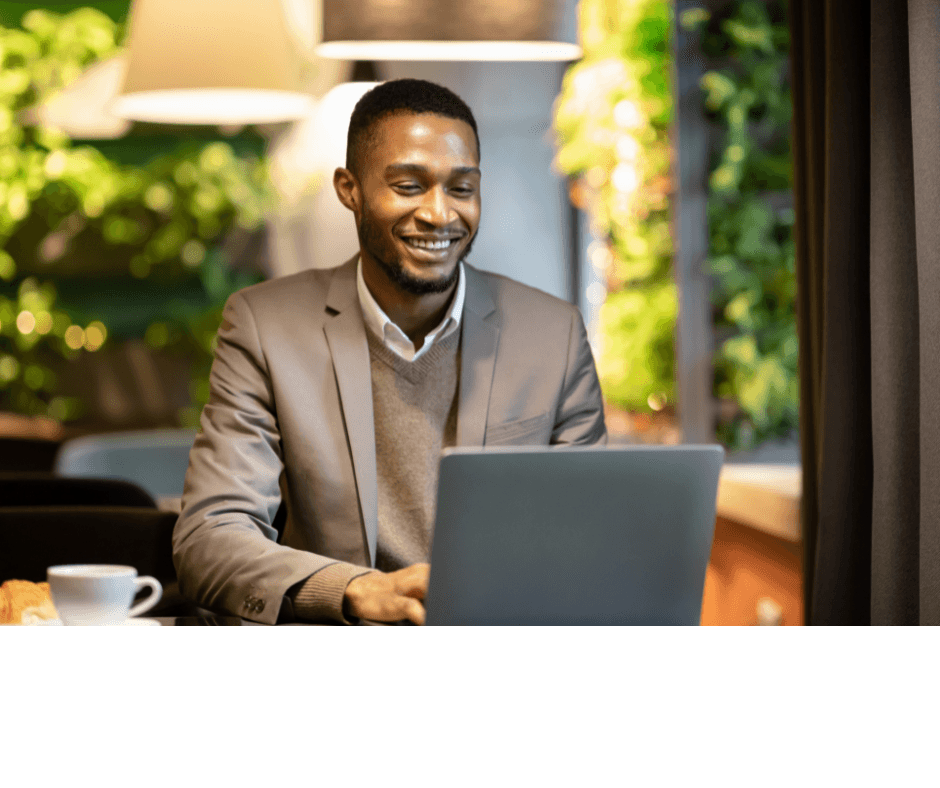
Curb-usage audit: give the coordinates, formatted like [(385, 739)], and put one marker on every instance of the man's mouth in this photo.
[(431, 245)]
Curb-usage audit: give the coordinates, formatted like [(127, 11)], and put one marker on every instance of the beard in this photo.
[(370, 237)]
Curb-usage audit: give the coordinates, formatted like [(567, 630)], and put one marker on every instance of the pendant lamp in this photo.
[(211, 62), (506, 30)]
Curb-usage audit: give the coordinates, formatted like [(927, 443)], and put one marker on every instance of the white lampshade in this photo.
[(211, 62), (507, 30)]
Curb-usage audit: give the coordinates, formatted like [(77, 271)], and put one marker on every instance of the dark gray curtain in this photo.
[(866, 147)]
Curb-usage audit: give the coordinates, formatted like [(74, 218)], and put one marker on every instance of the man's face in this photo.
[(420, 207)]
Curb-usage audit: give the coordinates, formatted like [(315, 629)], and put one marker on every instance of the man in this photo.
[(334, 391)]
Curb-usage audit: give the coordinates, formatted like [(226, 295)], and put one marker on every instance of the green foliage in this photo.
[(640, 319), (612, 122), (67, 210), (751, 250)]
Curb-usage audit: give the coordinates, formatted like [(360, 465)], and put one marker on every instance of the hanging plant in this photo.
[(750, 216), (67, 210)]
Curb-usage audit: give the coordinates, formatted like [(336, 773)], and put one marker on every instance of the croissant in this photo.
[(16, 596)]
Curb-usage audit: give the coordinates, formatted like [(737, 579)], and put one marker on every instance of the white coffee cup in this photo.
[(99, 594)]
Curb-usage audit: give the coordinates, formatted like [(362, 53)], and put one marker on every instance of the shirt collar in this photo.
[(394, 338)]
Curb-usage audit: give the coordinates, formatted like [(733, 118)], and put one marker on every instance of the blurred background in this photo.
[(157, 156), (647, 181)]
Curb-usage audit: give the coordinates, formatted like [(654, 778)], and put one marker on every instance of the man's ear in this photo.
[(347, 189)]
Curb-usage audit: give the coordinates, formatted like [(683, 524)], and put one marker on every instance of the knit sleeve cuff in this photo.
[(321, 596)]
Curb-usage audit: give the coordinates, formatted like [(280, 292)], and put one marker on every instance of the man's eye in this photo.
[(463, 191), (408, 188)]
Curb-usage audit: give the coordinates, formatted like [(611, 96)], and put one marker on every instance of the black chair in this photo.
[(34, 538), (47, 489), (27, 454)]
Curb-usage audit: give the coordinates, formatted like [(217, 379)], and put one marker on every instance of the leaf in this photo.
[(719, 89)]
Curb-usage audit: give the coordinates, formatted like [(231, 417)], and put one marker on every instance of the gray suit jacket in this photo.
[(290, 419)]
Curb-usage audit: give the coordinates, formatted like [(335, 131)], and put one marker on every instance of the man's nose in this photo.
[(435, 208)]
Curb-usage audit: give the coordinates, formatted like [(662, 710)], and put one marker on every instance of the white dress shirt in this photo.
[(394, 338)]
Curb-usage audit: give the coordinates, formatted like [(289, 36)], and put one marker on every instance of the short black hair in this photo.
[(399, 97)]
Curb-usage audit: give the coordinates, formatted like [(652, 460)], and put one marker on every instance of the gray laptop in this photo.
[(574, 535)]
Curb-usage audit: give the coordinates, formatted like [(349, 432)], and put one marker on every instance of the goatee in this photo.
[(394, 269)]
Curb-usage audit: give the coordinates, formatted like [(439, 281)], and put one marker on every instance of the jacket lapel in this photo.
[(346, 337), (478, 358)]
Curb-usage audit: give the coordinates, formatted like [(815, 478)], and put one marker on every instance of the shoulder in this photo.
[(305, 293)]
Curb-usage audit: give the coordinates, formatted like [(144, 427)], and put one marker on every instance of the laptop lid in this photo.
[(573, 535)]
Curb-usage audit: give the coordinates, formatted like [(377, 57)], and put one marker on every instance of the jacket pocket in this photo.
[(534, 431)]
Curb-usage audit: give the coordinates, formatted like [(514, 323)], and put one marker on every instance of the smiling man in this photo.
[(311, 488)]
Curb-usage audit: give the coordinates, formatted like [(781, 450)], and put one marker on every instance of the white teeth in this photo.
[(429, 244)]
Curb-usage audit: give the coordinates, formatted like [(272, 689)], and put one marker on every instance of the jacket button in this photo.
[(259, 605)]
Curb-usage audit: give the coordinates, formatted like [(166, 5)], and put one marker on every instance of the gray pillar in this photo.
[(694, 332)]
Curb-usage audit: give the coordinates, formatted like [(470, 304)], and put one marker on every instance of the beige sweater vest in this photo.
[(415, 411)]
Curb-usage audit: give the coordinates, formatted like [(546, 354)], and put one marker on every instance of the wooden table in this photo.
[(757, 550)]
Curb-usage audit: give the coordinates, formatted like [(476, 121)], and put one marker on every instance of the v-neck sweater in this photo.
[(415, 415)]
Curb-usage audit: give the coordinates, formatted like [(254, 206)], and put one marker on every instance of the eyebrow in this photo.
[(421, 169)]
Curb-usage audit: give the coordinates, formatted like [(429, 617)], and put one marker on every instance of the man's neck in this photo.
[(415, 315)]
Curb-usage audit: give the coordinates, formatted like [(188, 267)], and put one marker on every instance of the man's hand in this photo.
[(388, 596)]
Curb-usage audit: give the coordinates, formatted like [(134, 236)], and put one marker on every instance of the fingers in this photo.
[(412, 610), (394, 608), (412, 581)]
